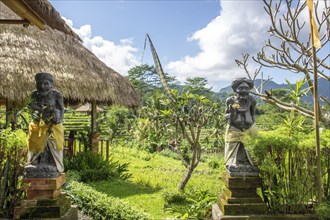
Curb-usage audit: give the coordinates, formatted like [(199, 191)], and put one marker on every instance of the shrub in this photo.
[(323, 211), (214, 164), (198, 204), (288, 169), (173, 197), (100, 206), (92, 167), (116, 122), (12, 158)]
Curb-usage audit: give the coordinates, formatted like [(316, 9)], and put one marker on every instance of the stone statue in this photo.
[(240, 112), (46, 133)]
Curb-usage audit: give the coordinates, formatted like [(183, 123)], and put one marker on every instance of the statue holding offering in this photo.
[(46, 133), (240, 112)]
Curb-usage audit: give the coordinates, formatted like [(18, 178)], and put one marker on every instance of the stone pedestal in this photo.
[(44, 200), (240, 196)]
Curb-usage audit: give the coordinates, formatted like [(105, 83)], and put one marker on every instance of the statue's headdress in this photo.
[(42, 76), (239, 81)]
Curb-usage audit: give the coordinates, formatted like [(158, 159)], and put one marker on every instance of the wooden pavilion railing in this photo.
[(73, 146)]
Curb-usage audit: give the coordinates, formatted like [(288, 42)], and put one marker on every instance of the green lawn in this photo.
[(152, 174)]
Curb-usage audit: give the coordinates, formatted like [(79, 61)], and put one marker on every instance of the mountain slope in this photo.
[(323, 88)]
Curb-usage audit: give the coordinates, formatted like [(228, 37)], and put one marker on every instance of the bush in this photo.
[(12, 159), (92, 167), (116, 122), (213, 164), (173, 197), (288, 169), (198, 204), (323, 211), (99, 206)]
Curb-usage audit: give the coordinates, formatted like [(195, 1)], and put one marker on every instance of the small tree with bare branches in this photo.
[(290, 48)]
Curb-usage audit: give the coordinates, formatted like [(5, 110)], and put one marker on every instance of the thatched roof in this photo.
[(40, 13), (79, 75)]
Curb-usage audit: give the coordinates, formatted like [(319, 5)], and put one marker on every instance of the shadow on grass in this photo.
[(120, 188)]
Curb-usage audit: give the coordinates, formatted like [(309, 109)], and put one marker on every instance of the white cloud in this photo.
[(120, 57), (240, 28)]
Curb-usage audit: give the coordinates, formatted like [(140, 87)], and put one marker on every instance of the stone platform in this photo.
[(44, 200), (240, 197)]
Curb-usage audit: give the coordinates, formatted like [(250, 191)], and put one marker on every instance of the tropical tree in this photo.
[(289, 48), (146, 80), (197, 85), (152, 131), (189, 113), (116, 122)]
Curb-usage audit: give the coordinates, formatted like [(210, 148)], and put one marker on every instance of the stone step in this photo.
[(241, 193), (45, 183), (42, 194), (44, 202), (241, 209), (242, 182), (234, 200), (28, 210)]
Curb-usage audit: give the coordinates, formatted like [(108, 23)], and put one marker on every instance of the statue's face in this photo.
[(44, 86), (243, 90)]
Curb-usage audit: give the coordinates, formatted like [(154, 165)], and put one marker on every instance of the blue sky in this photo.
[(192, 37)]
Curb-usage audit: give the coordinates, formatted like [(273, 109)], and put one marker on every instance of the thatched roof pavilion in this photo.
[(36, 12), (79, 74)]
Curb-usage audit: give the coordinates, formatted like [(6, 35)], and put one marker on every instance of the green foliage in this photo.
[(151, 131), (295, 123), (169, 153), (83, 137), (287, 165), (189, 114), (12, 158), (173, 197), (2, 117), (198, 204), (213, 164), (181, 123), (308, 140), (99, 206), (162, 174), (323, 211), (116, 122), (76, 121), (92, 167), (146, 81), (268, 117), (297, 91), (197, 85)]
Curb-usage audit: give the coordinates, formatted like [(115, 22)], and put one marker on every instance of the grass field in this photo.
[(153, 175)]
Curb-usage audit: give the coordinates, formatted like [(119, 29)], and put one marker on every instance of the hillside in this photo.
[(324, 88)]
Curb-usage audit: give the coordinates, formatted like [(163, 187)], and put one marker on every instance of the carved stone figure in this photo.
[(46, 133), (240, 112)]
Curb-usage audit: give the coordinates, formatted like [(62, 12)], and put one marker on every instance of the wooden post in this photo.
[(316, 43), (71, 143), (107, 150), (8, 110), (94, 134), (317, 132), (11, 115)]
